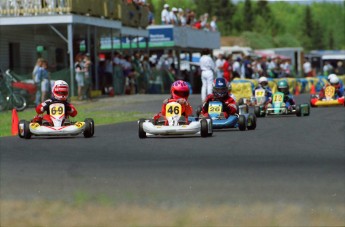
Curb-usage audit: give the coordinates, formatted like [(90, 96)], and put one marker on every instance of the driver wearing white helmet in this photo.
[(335, 82), (263, 83), (60, 92)]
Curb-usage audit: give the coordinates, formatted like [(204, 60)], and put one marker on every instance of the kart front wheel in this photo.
[(298, 110), (89, 128), (257, 111), (25, 132), (203, 128), (251, 122), (142, 133), (242, 123), (21, 128)]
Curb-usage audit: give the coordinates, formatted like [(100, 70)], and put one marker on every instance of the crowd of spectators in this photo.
[(180, 17)]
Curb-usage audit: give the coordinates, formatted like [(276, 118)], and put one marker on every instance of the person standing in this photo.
[(87, 74), (165, 16), (45, 78), (207, 67), (79, 75), (307, 69), (219, 65), (37, 80)]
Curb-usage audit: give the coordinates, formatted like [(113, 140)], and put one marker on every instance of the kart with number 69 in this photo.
[(61, 125)]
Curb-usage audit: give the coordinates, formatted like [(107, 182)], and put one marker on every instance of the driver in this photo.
[(179, 92), (59, 95), (220, 93), (263, 83), (336, 83), (283, 87)]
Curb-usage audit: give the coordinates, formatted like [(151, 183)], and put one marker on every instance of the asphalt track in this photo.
[(290, 159)]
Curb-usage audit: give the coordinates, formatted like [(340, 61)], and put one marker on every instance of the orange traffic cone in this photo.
[(15, 122), (297, 90), (312, 89)]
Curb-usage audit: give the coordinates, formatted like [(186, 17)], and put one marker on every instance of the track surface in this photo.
[(285, 160)]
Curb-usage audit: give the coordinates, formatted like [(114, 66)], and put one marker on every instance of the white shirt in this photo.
[(236, 67), (173, 18), (213, 26), (165, 16), (206, 63), (307, 67)]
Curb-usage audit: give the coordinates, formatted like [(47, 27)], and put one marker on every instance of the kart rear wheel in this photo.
[(251, 122), (89, 128), (26, 130), (308, 113), (21, 131), (203, 128), (142, 133), (257, 111), (298, 110), (242, 123)]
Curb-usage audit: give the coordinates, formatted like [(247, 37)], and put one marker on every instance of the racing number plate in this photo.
[(278, 97), (57, 110), (259, 95), (173, 109), (329, 92), (215, 108)]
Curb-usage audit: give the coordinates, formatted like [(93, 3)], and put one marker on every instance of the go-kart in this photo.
[(173, 123), (278, 107), (242, 120), (329, 100), (62, 126)]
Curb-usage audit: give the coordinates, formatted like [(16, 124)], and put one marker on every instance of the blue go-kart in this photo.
[(242, 120)]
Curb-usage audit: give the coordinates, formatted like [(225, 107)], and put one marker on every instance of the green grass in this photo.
[(88, 110)]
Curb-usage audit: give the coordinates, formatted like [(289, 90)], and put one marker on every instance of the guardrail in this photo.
[(131, 15)]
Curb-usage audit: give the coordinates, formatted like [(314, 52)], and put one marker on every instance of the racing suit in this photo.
[(289, 100), (268, 94), (187, 109), (44, 107), (229, 105)]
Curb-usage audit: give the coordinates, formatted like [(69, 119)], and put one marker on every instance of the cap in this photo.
[(180, 10), (174, 9), (166, 5)]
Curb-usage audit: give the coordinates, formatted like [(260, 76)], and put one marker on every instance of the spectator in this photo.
[(79, 75), (204, 21), (247, 67), (181, 17), (227, 68), (236, 68), (207, 67), (108, 73), (37, 79), (219, 65), (173, 16), (340, 70), (45, 78), (87, 79), (213, 24), (151, 16), (190, 17), (165, 17), (271, 66), (327, 68), (307, 70)]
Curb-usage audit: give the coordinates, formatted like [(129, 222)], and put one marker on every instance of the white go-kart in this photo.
[(174, 124), (62, 126)]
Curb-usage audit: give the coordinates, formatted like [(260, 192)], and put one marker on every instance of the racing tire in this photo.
[(298, 110), (89, 128), (203, 128), (307, 114), (210, 133), (257, 111), (26, 132), (251, 122), (21, 133), (242, 123), (142, 133)]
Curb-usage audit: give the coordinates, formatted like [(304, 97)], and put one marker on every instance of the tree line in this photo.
[(263, 24)]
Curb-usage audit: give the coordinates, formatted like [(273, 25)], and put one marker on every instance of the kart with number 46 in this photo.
[(61, 125), (173, 123)]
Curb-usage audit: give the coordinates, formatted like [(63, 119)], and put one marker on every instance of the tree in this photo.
[(331, 40), (263, 10), (308, 22), (248, 16), (317, 37)]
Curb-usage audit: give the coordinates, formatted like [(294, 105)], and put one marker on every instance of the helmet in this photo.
[(330, 76), (179, 89), (334, 80), (263, 81), (283, 87), (60, 90), (220, 88)]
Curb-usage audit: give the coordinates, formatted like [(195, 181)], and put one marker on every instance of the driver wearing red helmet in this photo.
[(59, 95), (220, 93), (179, 93)]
